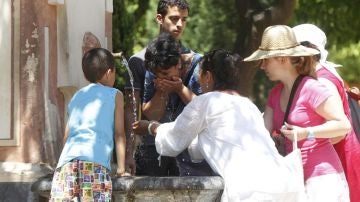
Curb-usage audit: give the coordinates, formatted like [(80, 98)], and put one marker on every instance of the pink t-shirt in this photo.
[(318, 155)]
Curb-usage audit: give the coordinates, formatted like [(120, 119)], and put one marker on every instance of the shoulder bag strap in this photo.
[(292, 94), (281, 141)]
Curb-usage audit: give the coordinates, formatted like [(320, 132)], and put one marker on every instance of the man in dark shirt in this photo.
[(171, 16)]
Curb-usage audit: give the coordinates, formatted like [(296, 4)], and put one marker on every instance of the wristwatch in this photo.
[(311, 134)]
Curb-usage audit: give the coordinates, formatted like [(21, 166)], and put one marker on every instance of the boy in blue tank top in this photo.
[(96, 120)]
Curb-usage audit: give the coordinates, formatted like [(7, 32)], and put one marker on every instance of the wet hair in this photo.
[(96, 62), (162, 53), (225, 68), (305, 65), (163, 6)]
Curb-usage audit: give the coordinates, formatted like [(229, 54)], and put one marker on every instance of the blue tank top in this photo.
[(91, 126)]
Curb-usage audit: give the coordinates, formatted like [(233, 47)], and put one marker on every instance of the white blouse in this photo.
[(234, 141)]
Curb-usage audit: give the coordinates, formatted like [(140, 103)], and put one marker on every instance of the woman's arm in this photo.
[(174, 137), (330, 85), (336, 125)]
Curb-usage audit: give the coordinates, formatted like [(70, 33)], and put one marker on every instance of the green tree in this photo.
[(237, 25), (232, 24), (340, 21), (128, 16), (349, 57)]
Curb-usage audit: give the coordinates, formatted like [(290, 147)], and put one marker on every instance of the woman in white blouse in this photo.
[(231, 136)]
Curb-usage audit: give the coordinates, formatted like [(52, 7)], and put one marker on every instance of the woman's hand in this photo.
[(288, 131), (140, 127)]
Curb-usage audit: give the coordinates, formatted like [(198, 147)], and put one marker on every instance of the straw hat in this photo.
[(277, 41)]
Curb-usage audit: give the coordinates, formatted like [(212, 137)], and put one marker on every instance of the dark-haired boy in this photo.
[(171, 16)]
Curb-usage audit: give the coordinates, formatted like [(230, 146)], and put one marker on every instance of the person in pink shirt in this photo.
[(347, 148), (313, 115)]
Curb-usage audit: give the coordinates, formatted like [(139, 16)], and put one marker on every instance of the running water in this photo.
[(133, 138), (134, 104)]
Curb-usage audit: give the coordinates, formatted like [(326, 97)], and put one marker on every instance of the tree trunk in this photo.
[(254, 18)]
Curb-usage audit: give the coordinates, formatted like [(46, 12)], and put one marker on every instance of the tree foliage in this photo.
[(237, 25), (349, 57), (340, 21), (128, 17), (212, 24)]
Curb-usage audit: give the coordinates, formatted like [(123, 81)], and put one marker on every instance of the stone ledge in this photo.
[(146, 188), (23, 172)]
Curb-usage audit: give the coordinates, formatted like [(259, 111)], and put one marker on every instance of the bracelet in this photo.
[(311, 134), (149, 127)]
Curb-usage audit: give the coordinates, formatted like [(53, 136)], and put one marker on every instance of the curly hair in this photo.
[(162, 53)]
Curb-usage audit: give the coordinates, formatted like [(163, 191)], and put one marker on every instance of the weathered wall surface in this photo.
[(49, 35), (34, 16), (40, 63)]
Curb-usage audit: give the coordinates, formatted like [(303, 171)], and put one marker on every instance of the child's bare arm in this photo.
[(120, 138)]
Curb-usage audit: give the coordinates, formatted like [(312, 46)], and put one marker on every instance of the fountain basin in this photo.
[(162, 189)]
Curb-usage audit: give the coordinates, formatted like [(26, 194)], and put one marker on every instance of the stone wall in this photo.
[(41, 55)]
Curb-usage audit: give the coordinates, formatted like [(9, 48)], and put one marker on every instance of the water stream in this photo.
[(134, 104), (133, 138)]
